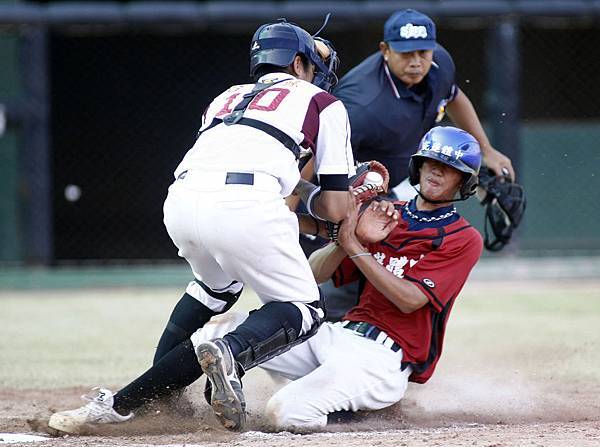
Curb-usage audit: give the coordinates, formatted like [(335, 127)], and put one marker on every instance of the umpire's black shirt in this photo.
[(388, 119)]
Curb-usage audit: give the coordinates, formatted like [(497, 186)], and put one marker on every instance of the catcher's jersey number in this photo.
[(267, 101)]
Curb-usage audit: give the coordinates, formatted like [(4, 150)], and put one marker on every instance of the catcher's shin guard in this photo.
[(267, 332), (270, 331)]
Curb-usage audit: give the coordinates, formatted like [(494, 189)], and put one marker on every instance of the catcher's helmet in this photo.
[(453, 147), (278, 43)]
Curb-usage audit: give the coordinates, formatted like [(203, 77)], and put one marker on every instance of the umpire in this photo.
[(396, 95), (393, 98)]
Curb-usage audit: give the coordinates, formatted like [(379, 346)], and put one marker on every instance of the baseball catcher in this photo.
[(216, 186)]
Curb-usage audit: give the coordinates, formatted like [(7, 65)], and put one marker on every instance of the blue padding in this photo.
[(279, 43)]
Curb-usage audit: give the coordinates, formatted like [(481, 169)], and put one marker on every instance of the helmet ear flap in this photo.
[(469, 186), (413, 170)]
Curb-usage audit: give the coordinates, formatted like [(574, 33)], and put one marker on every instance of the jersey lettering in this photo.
[(268, 100), (396, 265), (227, 109)]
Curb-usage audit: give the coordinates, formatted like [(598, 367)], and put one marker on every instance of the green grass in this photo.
[(107, 336), (544, 330)]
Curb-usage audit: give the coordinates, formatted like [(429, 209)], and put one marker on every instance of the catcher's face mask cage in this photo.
[(453, 147), (325, 74), (278, 44), (505, 205)]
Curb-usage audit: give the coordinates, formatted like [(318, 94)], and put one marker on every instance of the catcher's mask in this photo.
[(278, 44), (453, 147), (505, 204)]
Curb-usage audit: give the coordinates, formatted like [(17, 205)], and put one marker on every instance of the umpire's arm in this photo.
[(462, 114)]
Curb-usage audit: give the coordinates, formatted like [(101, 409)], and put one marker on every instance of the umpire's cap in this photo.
[(453, 147), (409, 30)]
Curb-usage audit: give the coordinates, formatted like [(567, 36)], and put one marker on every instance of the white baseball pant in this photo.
[(243, 233), (334, 370)]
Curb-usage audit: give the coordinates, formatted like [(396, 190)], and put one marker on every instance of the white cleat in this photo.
[(99, 410)]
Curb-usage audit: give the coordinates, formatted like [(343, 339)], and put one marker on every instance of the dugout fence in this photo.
[(101, 100)]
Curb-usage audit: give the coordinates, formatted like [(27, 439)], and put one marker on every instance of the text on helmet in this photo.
[(449, 151)]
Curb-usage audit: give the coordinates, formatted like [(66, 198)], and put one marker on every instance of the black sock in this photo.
[(175, 370), (187, 317)]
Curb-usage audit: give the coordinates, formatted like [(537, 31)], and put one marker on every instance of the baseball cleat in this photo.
[(227, 398), (99, 410)]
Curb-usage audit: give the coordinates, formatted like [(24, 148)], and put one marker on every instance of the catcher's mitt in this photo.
[(504, 204), (371, 179)]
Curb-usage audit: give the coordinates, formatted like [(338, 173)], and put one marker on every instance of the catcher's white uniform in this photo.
[(234, 233)]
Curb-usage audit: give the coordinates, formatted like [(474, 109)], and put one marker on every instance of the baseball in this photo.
[(72, 193), (373, 178)]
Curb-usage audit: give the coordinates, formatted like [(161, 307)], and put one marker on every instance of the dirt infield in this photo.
[(517, 370), (435, 416)]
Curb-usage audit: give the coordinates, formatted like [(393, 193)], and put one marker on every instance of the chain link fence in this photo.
[(560, 134), (126, 108), (125, 104)]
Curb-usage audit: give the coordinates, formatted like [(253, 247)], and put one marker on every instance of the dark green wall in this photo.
[(561, 170), (10, 247), (561, 175)]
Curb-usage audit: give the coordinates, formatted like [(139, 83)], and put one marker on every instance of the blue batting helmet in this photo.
[(278, 44), (453, 147)]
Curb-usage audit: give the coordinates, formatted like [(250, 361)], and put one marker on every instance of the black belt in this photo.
[(239, 178), (368, 330), (232, 178)]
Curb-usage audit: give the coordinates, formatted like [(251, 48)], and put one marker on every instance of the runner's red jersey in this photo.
[(437, 257)]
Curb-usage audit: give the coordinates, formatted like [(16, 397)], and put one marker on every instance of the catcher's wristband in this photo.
[(310, 202), (317, 226)]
